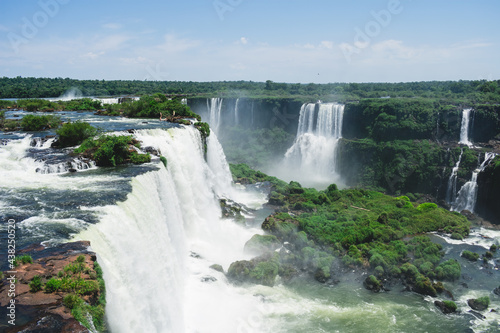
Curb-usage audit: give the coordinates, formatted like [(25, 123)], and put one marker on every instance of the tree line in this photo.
[(477, 90)]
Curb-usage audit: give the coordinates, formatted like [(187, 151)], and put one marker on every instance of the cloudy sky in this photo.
[(281, 40)]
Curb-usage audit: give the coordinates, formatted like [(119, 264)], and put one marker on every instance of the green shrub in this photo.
[(426, 206), (71, 301), (53, 285), (448, 270), (22, 260), (163, 160), (72, 134), (35, 284), (38, 123), (204, 128), (471, 256), (483, 301), (139, 158), (450, 305)]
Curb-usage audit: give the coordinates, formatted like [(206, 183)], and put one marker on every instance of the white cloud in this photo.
[(172, 44), (326, 44), (244, 40), (113, 26)]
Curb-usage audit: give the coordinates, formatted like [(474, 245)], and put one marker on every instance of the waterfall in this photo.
[(214, 109), (452, 181), (156, 247), (312, 159), (466, 197), (464, 128), (236, 114)]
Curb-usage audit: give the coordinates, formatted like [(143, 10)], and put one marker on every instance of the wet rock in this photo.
[(217, 267), (208, 279), (194, 255), (152, 150), (496, 291), (478, 304), (477, 314), (49, 324), (231, 209), (372, 283), (261, 270), (260, 244), (446, 307)]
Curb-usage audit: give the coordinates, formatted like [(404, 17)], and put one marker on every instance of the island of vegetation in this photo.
[(324, 233)]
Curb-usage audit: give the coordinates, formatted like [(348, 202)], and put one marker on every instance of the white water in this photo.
[(214, 108), (452, 181), (236, 114), (467, 196), (144, 244), (464, 128), (312, 159)]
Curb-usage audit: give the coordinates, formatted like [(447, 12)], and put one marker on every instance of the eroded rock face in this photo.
[(43, 310)]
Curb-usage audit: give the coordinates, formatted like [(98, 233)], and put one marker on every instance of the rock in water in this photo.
[(446, 307)]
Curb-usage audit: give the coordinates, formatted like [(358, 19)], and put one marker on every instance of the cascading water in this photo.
[(214, 108), (312, 159), (452, 181), (153, 283), (467, 196), (464, 128), (236, 113), (157, 230)]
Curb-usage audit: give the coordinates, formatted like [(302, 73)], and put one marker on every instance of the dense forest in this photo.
[(475, 91)]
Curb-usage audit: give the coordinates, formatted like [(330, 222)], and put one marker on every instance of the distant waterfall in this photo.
[(466, 197), (452, 181), (236, 114), (214, 108), (464, 129), (312, 159)]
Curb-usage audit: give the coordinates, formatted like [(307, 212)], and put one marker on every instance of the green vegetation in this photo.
[(479, 90), (39, 123), (471, 256), (479, 304), (153, 106), (35, 284), (109, 150), (363, 229), (22, 260), (451, 305), (72, 134), (401, 166), (204, 128), (79, 280)]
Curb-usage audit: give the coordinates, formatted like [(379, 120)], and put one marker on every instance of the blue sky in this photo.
[(281, 40)]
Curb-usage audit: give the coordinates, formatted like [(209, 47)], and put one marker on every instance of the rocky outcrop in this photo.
[(479, 304), (260, 244), (446, 307), (261, 270), (42, 306)]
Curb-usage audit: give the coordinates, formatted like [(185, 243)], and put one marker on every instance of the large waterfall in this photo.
[(467, 196), (157, 246), (157, 230), (464, 128), (312, 159)]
